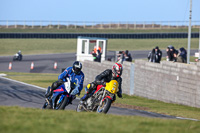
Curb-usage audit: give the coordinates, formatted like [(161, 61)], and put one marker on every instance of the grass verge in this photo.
[(46, 46), (23, 120)]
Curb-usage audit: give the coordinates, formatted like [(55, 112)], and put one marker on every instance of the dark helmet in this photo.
[(77, 66), (117, 70)]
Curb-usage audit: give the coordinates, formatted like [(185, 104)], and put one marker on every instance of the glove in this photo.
[(119, 95), (75, 91), (103, 83)]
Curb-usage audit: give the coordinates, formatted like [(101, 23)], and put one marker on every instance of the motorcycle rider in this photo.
[(106, 76), (20, 54), (76, 77)]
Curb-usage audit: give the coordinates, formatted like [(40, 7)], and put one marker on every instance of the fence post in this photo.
[(101, 25), (40, 24), (168, 25), (84, 26), (126, 25), (32, 24), (152, 25), (160, 25), (7, 24), (135, 25), (15, 24), (67, 25), (24, 24), (143, 25), (50, 25), (58, 25), (92, 25), (118, 25)]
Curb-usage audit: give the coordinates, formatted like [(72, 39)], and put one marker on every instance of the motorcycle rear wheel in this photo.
[(105, 106), (79, 108)]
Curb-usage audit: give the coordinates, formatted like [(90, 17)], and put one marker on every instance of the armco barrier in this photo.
[(101, 35), (169, 82)]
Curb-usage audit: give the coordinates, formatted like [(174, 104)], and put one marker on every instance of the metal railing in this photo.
[(97, 25)]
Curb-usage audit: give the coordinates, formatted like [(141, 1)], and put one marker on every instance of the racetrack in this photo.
[(14, 93), (18, 94)]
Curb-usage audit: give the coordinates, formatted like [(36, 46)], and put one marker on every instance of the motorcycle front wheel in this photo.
[(62, 104), (105, 106), (80, 108)]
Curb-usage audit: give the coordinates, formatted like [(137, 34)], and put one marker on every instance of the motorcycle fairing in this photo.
[(59, 91)]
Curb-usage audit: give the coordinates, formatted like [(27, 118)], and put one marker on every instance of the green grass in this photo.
[(23, 120), (46, 46), (44, 80)]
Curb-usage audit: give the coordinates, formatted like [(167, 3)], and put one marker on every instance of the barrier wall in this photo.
[(100, 35), (168, 82)]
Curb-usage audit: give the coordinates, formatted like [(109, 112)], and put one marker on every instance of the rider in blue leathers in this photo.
[(76, 77)]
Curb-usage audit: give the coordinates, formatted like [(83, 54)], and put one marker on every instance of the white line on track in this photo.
[(1, 76)]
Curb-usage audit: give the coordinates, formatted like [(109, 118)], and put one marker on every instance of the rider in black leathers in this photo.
[(106, 76)]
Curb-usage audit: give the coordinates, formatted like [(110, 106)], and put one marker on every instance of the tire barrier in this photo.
[(100, 35)]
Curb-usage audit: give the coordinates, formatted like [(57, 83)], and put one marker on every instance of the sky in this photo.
[(99, 10)]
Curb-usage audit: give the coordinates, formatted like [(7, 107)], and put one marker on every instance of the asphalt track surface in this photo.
[(15, 93)]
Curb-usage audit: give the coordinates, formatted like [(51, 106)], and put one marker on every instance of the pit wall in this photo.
[(168, 82)]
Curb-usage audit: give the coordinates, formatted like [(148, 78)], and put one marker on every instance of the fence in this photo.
[(96, 25)]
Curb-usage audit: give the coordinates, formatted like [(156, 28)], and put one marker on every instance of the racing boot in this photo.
[(48, 92), (54, 85), (85, 97)]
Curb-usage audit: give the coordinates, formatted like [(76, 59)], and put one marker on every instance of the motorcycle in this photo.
[(17, 57), (101, 99), (60, 98)]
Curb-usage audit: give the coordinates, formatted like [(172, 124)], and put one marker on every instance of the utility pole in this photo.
[(199, 43), (189, 34)]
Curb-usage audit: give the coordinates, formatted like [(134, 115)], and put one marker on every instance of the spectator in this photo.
[(94, 55), (98, 56), (128, 56), (158, 52), (120, 57), (182, 55), (172, 55), (95, 49), (152, 57)]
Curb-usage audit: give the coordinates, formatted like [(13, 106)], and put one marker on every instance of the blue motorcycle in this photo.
[(61, 97)]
